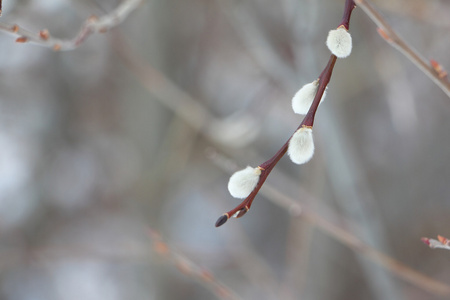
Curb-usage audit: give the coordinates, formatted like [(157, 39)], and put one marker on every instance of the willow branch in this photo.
[(432, 70), (308, 122), (91, 25)]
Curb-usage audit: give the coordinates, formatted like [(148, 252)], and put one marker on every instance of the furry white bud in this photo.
[(243, 182), (302, 100), (301, 146), (339, 42)]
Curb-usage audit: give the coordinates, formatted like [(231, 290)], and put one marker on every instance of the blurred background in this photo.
[(115, 157)]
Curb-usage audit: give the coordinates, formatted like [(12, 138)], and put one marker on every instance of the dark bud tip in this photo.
[(222, 220)]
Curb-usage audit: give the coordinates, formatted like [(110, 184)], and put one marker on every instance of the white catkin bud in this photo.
[(339, 42), (302, 100), (301, 146), (243, 182)]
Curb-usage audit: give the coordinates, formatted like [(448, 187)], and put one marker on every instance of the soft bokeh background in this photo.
[(137, 130)]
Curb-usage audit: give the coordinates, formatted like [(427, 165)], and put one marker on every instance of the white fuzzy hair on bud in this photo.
[(243, 182), (302, 100), (301, 146), (339, 42)]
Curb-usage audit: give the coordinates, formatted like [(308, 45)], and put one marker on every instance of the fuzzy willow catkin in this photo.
[(302, 100), (301, 146), (243, 182), (339, 41)]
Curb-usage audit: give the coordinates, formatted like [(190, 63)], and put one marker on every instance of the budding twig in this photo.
[(307, 122), (398, 43), (92, 25)]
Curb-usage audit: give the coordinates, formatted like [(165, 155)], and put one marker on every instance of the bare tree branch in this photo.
[(91, 25), (434, 73)]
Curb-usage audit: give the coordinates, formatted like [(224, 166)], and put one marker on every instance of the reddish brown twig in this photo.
[(308, 121), (92, 25), (398, 43)]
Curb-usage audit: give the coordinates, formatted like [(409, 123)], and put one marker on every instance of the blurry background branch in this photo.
[(433, 70), (92, 25), (234, 131)]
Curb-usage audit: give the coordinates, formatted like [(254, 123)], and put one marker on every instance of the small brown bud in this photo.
[(44, 34), (56, 47), (438, 68), (242, 212), (15, 28), (442, 240), (22, 39), (384, 35)]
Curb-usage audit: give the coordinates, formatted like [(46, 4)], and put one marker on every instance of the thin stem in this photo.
[(398, 43), (308, 121)]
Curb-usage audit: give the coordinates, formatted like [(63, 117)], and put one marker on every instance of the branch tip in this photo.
[(222, 220)]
